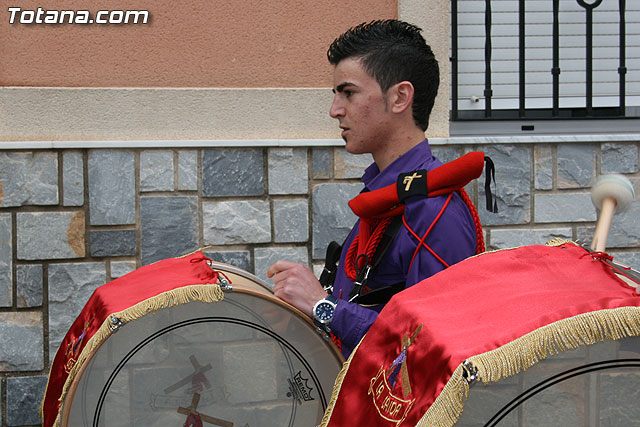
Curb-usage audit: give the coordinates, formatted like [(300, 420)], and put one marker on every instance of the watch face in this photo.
[(324, 312)]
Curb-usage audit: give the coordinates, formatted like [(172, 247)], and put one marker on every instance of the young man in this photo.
[(385, 82)]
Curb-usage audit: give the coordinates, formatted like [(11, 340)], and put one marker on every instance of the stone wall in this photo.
[(73, 219)]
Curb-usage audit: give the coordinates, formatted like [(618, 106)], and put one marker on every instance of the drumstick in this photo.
[(608, 193)]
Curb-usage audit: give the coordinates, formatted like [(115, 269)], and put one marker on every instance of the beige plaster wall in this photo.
[(191, 43), (280, 102), (433, 17)]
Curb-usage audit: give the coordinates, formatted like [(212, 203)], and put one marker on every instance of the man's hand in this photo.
[(296, 284)]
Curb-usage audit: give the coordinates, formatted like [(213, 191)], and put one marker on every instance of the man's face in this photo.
[(361, 108)]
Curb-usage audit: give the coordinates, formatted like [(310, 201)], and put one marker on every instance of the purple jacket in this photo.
[(453, 238)]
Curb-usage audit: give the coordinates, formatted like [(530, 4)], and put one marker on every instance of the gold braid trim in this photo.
[(336, 388), (202, 293), (526, 351)]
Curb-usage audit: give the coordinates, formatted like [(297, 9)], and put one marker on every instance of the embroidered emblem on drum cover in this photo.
[(384, 387), (75, 346), (299, 388)]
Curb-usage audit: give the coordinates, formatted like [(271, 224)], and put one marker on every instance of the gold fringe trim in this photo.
[(208, 293), (559, 241), (337, 385), (526, 351)]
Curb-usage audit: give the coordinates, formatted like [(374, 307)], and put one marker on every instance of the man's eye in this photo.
[(348, 93)]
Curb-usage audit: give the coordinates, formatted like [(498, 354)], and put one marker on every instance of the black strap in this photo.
[(383, 246), (380, 295), (490, 173), (328, 275)]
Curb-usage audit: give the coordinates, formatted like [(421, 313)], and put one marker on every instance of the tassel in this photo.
[(490, 173)]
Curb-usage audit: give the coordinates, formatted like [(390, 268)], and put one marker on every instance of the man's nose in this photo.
[(336, 110)]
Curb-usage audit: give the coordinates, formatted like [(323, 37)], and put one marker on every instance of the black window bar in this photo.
[(556, 112)]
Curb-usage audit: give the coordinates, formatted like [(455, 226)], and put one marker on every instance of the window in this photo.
[(553, 60)]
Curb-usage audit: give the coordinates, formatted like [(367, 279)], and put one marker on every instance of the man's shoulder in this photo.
[(424, 210)]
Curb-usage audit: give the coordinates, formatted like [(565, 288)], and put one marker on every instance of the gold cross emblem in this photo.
[(409, 179)]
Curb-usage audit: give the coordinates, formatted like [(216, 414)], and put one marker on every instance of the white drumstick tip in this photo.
[(617, 187), (610, 192)]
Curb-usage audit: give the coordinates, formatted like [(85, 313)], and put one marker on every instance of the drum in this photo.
[(248, 359), (530, 336)]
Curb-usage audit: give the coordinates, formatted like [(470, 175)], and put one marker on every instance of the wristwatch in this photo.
[(323, 311)]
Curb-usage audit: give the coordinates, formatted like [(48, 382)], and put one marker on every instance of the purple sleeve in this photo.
[(350, 323)]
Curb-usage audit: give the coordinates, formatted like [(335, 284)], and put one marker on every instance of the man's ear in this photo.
[(402, 96)]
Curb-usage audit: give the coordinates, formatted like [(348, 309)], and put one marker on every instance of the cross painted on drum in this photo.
[(197, 379), (195, 419)]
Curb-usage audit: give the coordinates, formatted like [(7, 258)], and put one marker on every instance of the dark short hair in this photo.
[(392, 51)]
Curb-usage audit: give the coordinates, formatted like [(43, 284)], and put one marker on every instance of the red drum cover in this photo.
[(501, 312)]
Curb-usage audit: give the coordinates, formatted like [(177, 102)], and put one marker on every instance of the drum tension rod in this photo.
[(115, 324), (224, 284), (470, 372)]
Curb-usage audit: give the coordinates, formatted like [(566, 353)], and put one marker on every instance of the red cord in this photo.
[(476, 220), (380, 227), (370, 250), (421, 241)]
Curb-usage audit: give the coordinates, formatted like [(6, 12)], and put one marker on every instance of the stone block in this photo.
[(265, 257), (349, 165), (169, 227), (21, 335), (239, 259), (564, 207), (261, 357), (543, 167), (321, 163), (188, 170), (29, 285), (619, 396), (113, 242), (6, 260), (63, 233), (120, 268), (288, 171), (514, 237), (28, 179), (72, 178), (513, 183), (236, 222), (156, 170), (24, 395), (70, 286), (291, 220), (112, 197), (232, 172), (576, 165), (332, 218), (446, 154), (619, 158)]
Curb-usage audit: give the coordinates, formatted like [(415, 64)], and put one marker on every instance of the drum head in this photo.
[(593, 386), (249, 360)]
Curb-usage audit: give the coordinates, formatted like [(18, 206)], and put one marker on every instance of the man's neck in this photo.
[(400, 144)]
